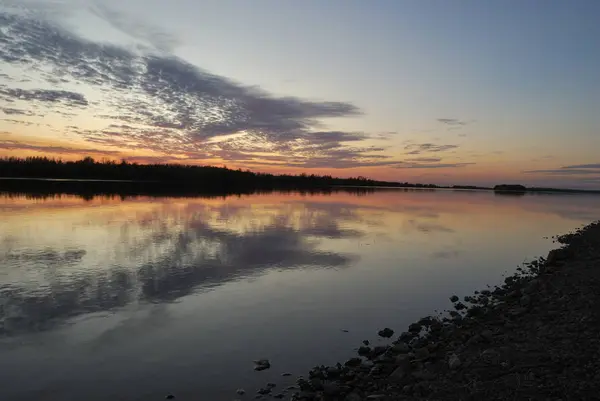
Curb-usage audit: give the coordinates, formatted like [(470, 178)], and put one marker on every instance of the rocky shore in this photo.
[(536, 337)]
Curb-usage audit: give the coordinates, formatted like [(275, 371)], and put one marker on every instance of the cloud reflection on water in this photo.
[(159, 255)]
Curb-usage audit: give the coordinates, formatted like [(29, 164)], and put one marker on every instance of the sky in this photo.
[(433, 91)]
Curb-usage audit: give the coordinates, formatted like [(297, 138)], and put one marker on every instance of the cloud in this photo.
[(45, 95), (452, 121), (16, 145), (418, 148), (18, 112), (136, 28), (434, 165), (186, 252), (580, 166), (164, 104), (427, 227), (425, 159), (562, 172), (576, 169)]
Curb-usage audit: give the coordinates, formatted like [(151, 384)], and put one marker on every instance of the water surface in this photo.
[(135, 298)]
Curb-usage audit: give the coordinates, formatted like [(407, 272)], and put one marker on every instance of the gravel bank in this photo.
[(536, 337)]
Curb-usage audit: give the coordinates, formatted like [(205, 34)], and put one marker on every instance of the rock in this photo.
[(525, 300), (532, 286), (331, 389), (364, 351), (240, 391), (460, 306), (353, 397), (401, 348), (423, 375), (386, 333), (353, 362), (557, 255), (271, 385), (454, 362), (406, 336), (264, 390), (316, 384), (473, 340), (422, 353), (303, 384), (454, 298), (286, 374), (169, 397), (279, 396), (307, 395), (487, 335), (415, 328), (365, 342), (399, 373), (380, 349), (261, 364)]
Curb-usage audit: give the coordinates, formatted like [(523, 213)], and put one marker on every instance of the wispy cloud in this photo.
[(579, 166), (425, 159), (136, 28), (452, 121), (432, 165), (574, 169), (17, 145), (418, 148), (10, 111), (44, 95)]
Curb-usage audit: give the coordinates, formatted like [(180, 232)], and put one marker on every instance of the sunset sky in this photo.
[(444, 91)]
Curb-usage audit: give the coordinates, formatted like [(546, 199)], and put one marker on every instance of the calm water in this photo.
[(133, 299)]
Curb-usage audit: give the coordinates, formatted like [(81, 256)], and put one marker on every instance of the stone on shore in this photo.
[(261, 364), (454, 362), (386, 333)]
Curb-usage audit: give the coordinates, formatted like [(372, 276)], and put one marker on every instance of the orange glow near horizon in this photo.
[(488, 171)]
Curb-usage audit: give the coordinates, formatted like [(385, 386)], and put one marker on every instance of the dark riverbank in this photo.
[(533, 338)]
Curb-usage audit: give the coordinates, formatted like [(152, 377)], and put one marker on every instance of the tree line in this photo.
[(196, 178)]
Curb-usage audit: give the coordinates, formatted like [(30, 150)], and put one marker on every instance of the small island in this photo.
[(510, 187)]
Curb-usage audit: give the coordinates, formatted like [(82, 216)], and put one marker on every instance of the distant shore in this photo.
[(190, 179), (533, 338)]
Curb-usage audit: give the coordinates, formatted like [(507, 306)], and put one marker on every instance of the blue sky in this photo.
[(435, 91)]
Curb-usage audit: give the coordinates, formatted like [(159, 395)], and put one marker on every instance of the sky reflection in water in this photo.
[(140, 297)]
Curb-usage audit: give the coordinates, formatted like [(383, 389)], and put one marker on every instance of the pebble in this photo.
[(261, 364), (454, 298), (240, 391), (454, 361), (487, 335), (353, 397), (286, 374), (169, 397)]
